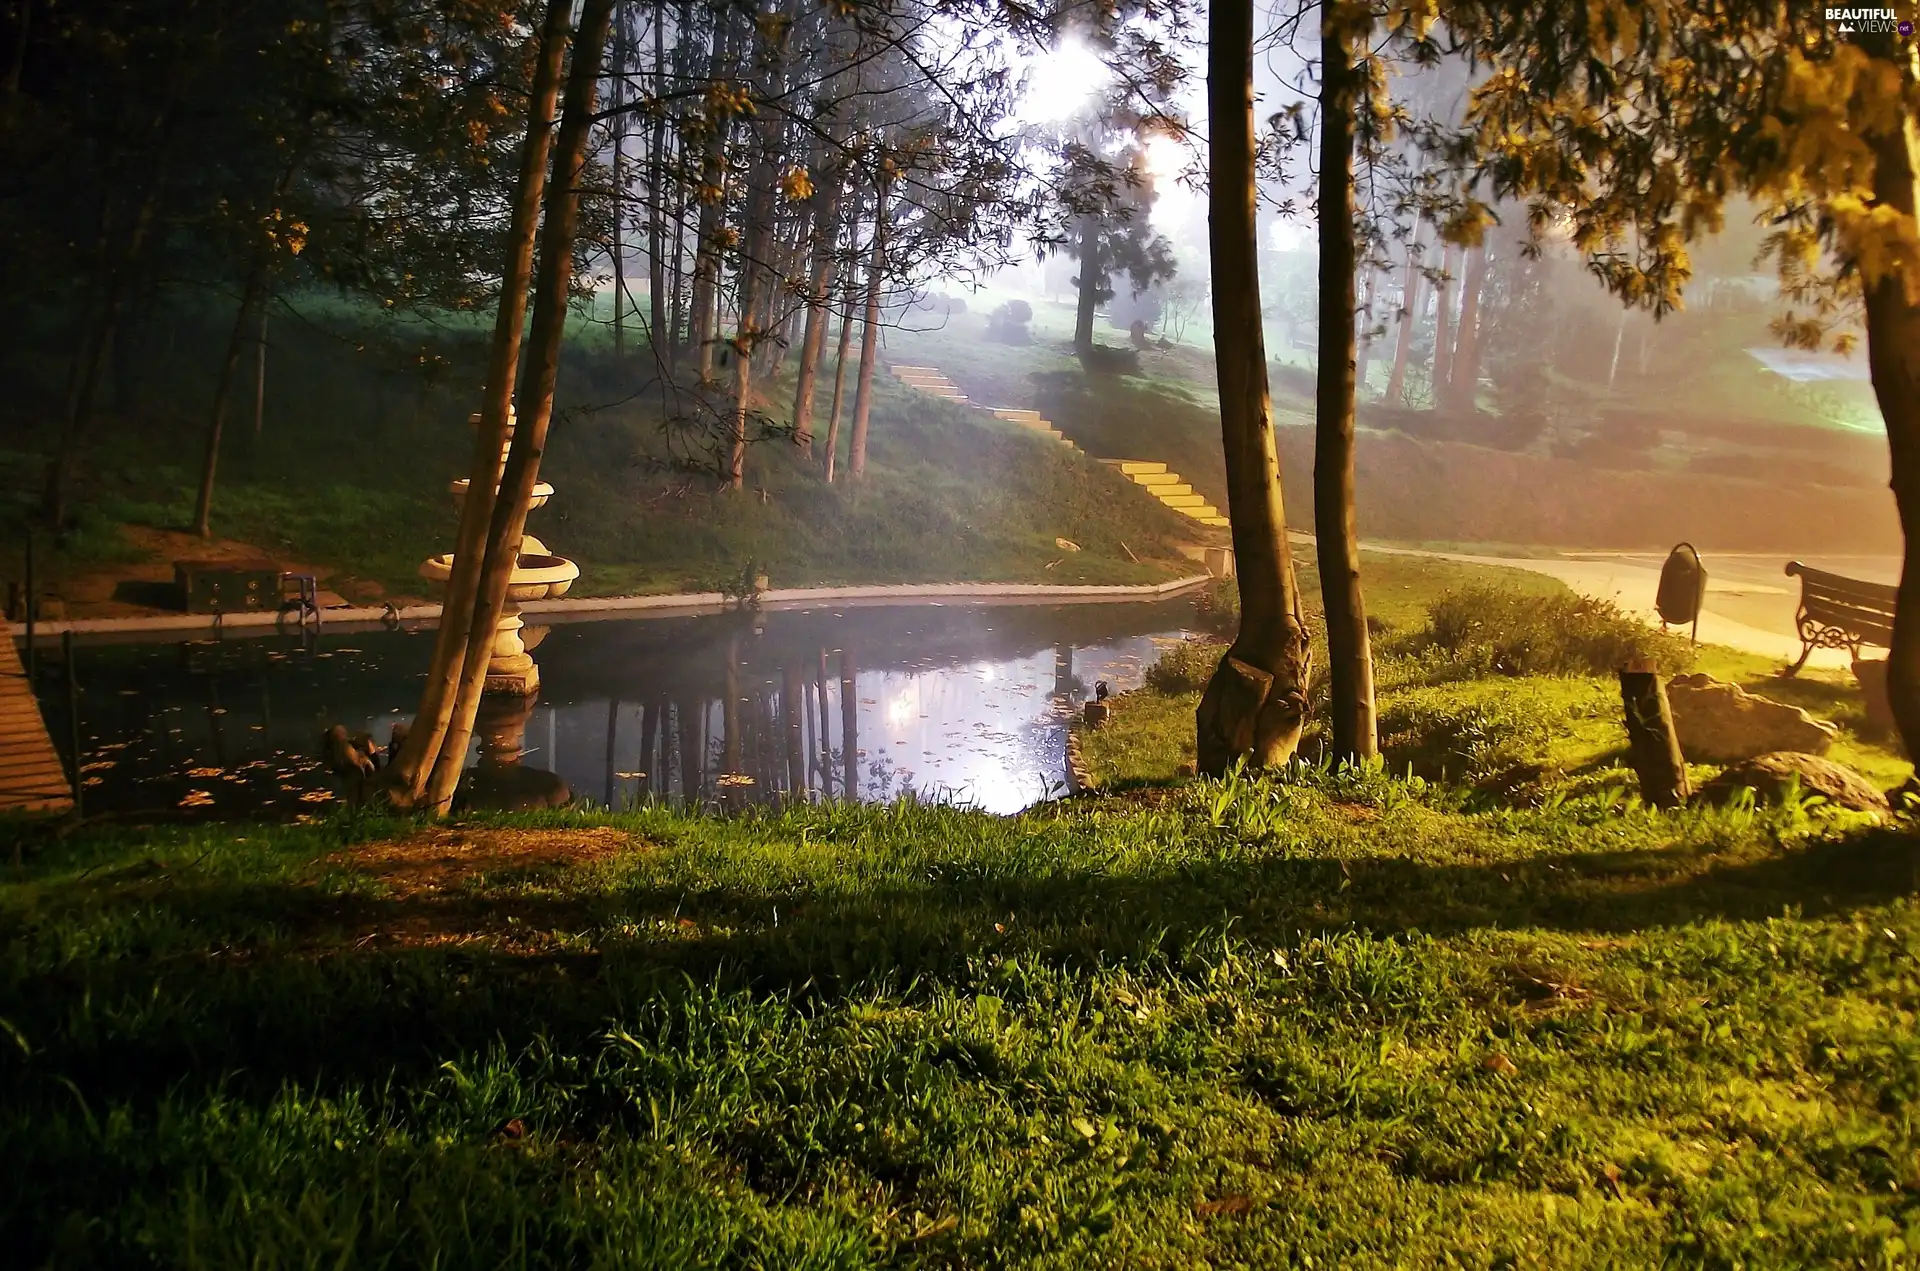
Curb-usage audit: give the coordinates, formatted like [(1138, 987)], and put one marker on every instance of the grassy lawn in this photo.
[(1325, 1020), (360, 439)]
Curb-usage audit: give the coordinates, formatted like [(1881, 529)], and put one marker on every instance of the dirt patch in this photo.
[(489, 888), (440, 861), (124, 589)]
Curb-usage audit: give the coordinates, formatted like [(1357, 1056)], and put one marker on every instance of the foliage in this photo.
[(1481, 630), (1185, 667)]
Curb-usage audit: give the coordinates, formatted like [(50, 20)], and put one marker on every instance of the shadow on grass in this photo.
[(256, 984)]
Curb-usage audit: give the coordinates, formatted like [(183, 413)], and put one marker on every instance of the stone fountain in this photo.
[(537, 575)]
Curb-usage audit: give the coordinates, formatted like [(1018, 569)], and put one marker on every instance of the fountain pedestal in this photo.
[(537, 575)]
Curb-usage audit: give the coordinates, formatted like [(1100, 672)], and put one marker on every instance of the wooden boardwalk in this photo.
[(31, 777)]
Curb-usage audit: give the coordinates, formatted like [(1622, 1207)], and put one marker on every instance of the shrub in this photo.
[(1008, 323), (1185, 667), (1483, 630)]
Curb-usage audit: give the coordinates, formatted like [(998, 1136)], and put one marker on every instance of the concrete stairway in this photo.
[(1166, 486), (1153, 477)]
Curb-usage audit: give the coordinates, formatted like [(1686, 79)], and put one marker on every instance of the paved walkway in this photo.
[(1750, 601), (31, 776)]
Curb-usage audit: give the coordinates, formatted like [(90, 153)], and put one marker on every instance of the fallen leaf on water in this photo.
[(203, 772), (629, 776)]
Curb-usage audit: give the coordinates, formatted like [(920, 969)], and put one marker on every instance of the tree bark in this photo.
[(869, 340), (407, 774), (260, 374), (1652, 742), (1463, 375), (840, 361), (1089, 286), (1255, 705), (826, 236), (1362, 325), (1442, 365), (1893, 359), (618, 81), (659, 335), (1349, 655), (223, 392), (706, 256), (1409, 315)]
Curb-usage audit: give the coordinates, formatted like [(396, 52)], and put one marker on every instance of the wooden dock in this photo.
[(31, 776)]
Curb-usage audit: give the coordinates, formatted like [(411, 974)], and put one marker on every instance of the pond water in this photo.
[(966, 704)]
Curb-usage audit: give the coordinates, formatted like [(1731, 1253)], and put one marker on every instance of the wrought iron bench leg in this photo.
[(1806, 651)]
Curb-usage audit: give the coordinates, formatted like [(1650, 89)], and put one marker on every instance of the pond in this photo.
[(959, 703)]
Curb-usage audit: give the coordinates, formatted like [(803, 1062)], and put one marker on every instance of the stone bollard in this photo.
[(1096, 714)]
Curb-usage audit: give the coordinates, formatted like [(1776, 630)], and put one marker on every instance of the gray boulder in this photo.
[(1719, 722), (1768, 776)]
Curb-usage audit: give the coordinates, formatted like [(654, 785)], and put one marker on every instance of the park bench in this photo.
[(1837, 612)]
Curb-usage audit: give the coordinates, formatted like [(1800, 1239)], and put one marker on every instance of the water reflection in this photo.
[(965, 704)]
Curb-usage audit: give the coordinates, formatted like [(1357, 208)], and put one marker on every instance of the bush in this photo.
[(1185, 667), (1217, 609), (1483, 630), (1008, 323)]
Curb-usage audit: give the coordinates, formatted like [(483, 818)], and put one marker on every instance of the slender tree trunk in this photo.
[(1409, 315), (223, 392), (260, 375), (840, 356), (1363, 329), (820, 704), (869, 340), (622, 35), (84, 383), (1349, 657), (793, 713), (1893, 358), (1442, 365), (522, 471), (1090, 281), (1619, 334), (1463, 377), (1256, 703), (408, 774), (706, 247), (826, 234), (660, 337)]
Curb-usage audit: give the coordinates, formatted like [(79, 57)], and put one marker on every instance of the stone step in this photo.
[(1015, 413), (1137, 467), (913, 370), (1155, 480), (1184, 500), (1171, 490), (1201, 513), (1220, 522)]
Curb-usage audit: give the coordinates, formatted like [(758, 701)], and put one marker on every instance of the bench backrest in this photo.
[(1861, 609)]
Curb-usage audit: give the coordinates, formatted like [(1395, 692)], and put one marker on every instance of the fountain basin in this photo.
[(536, 575), (458, 489)]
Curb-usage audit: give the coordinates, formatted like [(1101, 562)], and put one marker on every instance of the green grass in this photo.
[(1326, 1020), (363, 433)]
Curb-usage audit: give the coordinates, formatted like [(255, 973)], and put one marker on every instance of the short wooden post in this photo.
[(1096, 714), (1654, 746)]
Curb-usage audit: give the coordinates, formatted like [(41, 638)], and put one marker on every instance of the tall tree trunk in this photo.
[(622, 35), (1442, 365), (1363, 327), (408, 773), (706, 254), (1893, 359), (1256, 703), (1463, 376), (522, 470), (869, 339), (1409, 315), (97, 342), (659, 336), (826, 236), (260, 374), (1089, 285), (1349, 657), (840, 360), (223, 392)]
